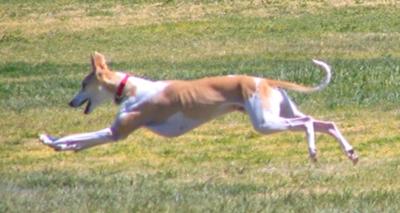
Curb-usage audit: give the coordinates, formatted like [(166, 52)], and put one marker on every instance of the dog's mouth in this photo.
[(87, 108)]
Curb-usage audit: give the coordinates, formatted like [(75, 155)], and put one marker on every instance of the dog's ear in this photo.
[(92, 63), (99, 67), (99, 62)]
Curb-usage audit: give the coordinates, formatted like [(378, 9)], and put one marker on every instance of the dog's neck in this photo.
[(119, 94), (122, 87), (135, 87), (127, 86)]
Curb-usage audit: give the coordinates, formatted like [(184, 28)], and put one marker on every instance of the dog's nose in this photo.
[(71, 104)]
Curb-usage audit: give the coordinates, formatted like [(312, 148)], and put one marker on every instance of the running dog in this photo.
[(172, 108)]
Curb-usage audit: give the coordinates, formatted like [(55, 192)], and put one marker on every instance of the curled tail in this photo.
[(301, 88)]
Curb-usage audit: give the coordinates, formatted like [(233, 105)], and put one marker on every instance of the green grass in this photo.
[(223, 166)]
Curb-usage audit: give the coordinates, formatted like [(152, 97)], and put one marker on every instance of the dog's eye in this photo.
[(83, 85)]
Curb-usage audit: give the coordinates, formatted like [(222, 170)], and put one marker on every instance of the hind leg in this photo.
[(269, 120), (271, 124), (330, 128), (326, 127)]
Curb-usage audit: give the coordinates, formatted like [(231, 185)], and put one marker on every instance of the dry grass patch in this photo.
[(80, 17)]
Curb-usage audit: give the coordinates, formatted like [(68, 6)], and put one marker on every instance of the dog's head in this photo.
[(95, 86)]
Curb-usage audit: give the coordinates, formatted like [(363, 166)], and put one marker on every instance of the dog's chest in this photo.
[(182, 122), (146, 91), (177, 124)]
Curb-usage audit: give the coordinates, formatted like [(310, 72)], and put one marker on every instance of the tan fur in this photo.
[(290, 86), (202, 99), (131, 122), (265, 91)]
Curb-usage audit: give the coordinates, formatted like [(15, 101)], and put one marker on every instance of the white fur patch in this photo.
[(175, 125)]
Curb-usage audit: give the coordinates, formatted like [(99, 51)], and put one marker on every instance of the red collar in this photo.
[(120, 88)]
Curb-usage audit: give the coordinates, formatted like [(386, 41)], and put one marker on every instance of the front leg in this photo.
[(123, 126), (78, 142)]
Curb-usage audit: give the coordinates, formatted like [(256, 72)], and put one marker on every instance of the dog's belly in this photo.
[(175, 125)]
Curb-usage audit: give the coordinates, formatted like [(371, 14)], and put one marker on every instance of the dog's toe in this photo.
[(45, 139), (313, 155), (314, 159), (352, 155), (57, 148)]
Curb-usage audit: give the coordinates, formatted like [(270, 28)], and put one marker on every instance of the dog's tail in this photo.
[(306, 89)]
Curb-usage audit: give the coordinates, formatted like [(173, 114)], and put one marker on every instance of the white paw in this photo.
[(46, 139), (351, 154), (313, 155), (49, 141)]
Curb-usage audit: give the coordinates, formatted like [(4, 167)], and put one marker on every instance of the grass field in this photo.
[(224, 166)]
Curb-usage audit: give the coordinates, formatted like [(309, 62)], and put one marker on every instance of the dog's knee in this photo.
[(117, 135), (264, 129), (329, 126), (269, 126)]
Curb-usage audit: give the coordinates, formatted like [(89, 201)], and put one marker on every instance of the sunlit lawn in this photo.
[(223, 166)]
